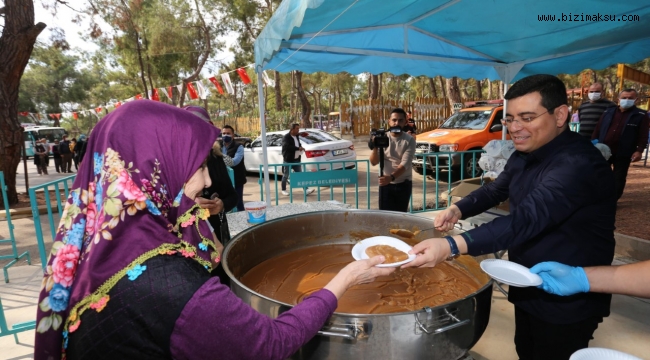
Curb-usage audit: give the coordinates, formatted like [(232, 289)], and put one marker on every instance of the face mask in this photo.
[(626, 103), (227, 138), (594, 96)]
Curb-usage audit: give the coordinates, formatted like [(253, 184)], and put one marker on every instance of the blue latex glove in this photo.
[(594, 141), (560, 279)]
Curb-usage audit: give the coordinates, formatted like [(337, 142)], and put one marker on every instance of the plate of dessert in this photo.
[(394, 250)]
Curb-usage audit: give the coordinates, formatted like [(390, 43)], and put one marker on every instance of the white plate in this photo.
[(359, 250), (601, 354), (510, 273)]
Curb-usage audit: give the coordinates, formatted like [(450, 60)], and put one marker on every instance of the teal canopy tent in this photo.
[(499, 40)]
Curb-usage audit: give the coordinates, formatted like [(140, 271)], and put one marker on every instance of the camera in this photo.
[(379, 139)]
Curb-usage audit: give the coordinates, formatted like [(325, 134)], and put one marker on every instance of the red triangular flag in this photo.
[(118, 104), (216, 83), (75, 116), (58, 116), (138, 97), (51, 116), (169, 92), (154, 95), (24, 113), (243, 75), (98, 110), (193, 94)]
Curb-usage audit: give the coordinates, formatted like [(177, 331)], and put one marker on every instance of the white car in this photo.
[(319, 147)]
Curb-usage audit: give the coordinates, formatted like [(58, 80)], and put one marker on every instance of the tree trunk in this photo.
[(432, 86), (292, 94), (489, 89), (278, 92), (500, 86), (306, 106), (374, 87), (479, 90), (443, 87), (16, 44), (380, 85), (453, 91)]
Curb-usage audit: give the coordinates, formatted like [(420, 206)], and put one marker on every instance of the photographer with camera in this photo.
[(394, 154)]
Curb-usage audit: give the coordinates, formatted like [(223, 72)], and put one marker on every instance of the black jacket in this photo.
[(221, 185), (80, 149), (629, 138), (64, 147), (289, 148)]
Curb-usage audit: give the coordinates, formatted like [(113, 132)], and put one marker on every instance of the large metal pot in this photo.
[(442, 332)]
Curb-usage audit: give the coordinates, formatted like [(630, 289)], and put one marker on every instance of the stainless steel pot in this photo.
[(442, 332)]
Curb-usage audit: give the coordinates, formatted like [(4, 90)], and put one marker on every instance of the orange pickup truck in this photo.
[(470, 128)]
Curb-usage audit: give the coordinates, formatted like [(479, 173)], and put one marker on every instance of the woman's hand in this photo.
[(429, 253), (357, 272), (215, 206), (446, 219)]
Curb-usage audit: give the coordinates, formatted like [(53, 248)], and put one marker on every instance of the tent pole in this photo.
[(504, 132), (265, 158)]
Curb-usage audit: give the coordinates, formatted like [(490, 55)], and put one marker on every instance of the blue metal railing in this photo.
[(311, 167), (452, 172), (65, 182), (24, 326), (14, 250)]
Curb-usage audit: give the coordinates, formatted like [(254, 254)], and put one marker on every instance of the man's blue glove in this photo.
[(594, 141), (560, 279)]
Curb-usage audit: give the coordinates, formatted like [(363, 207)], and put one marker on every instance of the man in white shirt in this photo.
[(395, 185)]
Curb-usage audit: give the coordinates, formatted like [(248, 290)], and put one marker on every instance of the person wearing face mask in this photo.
[(235, 152), (625, 130), (590, 111), (395, 184)]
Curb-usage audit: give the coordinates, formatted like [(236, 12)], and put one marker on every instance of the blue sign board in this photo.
[(324, 178)]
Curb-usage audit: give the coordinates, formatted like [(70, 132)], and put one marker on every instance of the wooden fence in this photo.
[(428, 114), (363, 115), (242, 125)]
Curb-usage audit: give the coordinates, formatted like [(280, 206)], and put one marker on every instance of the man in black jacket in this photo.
[(236, 152), (625, 130), (291, 151), (562, 208), (66, 155)]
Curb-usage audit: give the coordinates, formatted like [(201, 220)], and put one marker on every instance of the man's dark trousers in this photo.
[(620, 166), (536, 339), (395, 197)]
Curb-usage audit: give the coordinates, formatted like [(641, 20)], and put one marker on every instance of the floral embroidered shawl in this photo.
[(126, 206)]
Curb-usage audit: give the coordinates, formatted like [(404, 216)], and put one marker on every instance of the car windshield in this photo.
[(473, 120), (314, 137)]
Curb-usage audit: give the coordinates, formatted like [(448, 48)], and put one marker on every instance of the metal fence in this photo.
[(56, 186), (24, 326), (344, 173), (440, 161), (12, 240)]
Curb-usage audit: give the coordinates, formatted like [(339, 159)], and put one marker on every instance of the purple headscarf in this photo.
[(126, 206), (202, 113)]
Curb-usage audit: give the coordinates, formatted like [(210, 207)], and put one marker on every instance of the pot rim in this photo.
[(250, 229)]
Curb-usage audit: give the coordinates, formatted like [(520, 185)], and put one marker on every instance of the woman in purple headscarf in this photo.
[(128, 276)]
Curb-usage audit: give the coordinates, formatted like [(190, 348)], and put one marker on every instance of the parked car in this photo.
[(319, 147), (470, 128)]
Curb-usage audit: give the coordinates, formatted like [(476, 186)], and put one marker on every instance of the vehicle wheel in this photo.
[(471, 168)]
